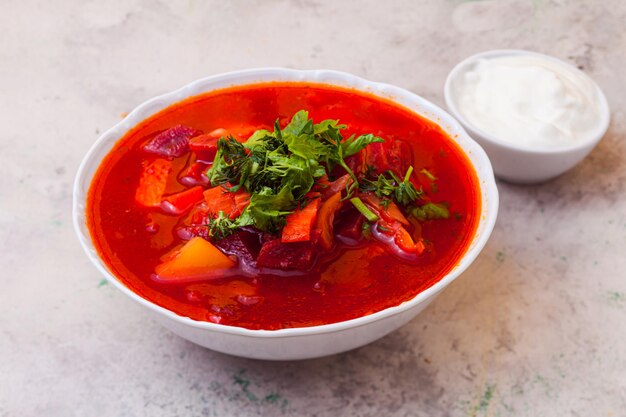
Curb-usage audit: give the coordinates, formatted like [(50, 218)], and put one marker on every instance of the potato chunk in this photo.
[(197, 259)]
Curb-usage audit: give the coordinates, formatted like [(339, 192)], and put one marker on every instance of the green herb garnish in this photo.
[(280, 167), (389, 185), (363, 209), (428, 174), (222, 226), (366, 229), (430, 211)]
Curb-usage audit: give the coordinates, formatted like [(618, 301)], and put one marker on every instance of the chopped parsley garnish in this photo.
[(430, 211), (389, 185), (222, 226), (428, 174), (280, 168), (363, 209)]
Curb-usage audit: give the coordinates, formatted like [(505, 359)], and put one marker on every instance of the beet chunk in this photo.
[(278, 255), (350, 228), (245, 245), (172, 143)]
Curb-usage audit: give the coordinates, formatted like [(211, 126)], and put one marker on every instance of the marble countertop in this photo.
[(536, 327)]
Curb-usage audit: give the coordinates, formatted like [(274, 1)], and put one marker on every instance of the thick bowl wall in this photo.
[(303, 342)]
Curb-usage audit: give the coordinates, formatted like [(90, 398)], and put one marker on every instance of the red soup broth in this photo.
[(357, 281)]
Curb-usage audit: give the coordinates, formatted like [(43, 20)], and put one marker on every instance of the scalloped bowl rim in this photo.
[(409, 100)]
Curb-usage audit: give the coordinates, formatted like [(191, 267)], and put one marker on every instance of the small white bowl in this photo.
[(520, 164), (302, 342)]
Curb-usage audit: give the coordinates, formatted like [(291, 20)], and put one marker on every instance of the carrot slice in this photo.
[(152, 183), (181, 202), (324, 221), (242, 199), (218, 199), (300, 222), (196, 259), (401, 237)]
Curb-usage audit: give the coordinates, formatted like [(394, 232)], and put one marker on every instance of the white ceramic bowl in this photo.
[(304, 342), (516, 163)]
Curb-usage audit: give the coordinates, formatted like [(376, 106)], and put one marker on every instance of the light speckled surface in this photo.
[(536, 327)]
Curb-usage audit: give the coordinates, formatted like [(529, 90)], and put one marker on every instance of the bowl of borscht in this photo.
[(283, 214)]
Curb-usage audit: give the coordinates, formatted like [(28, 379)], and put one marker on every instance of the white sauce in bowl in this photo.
[(529, 101)]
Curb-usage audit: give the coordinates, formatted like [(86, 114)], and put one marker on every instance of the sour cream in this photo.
[(529, 101)]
